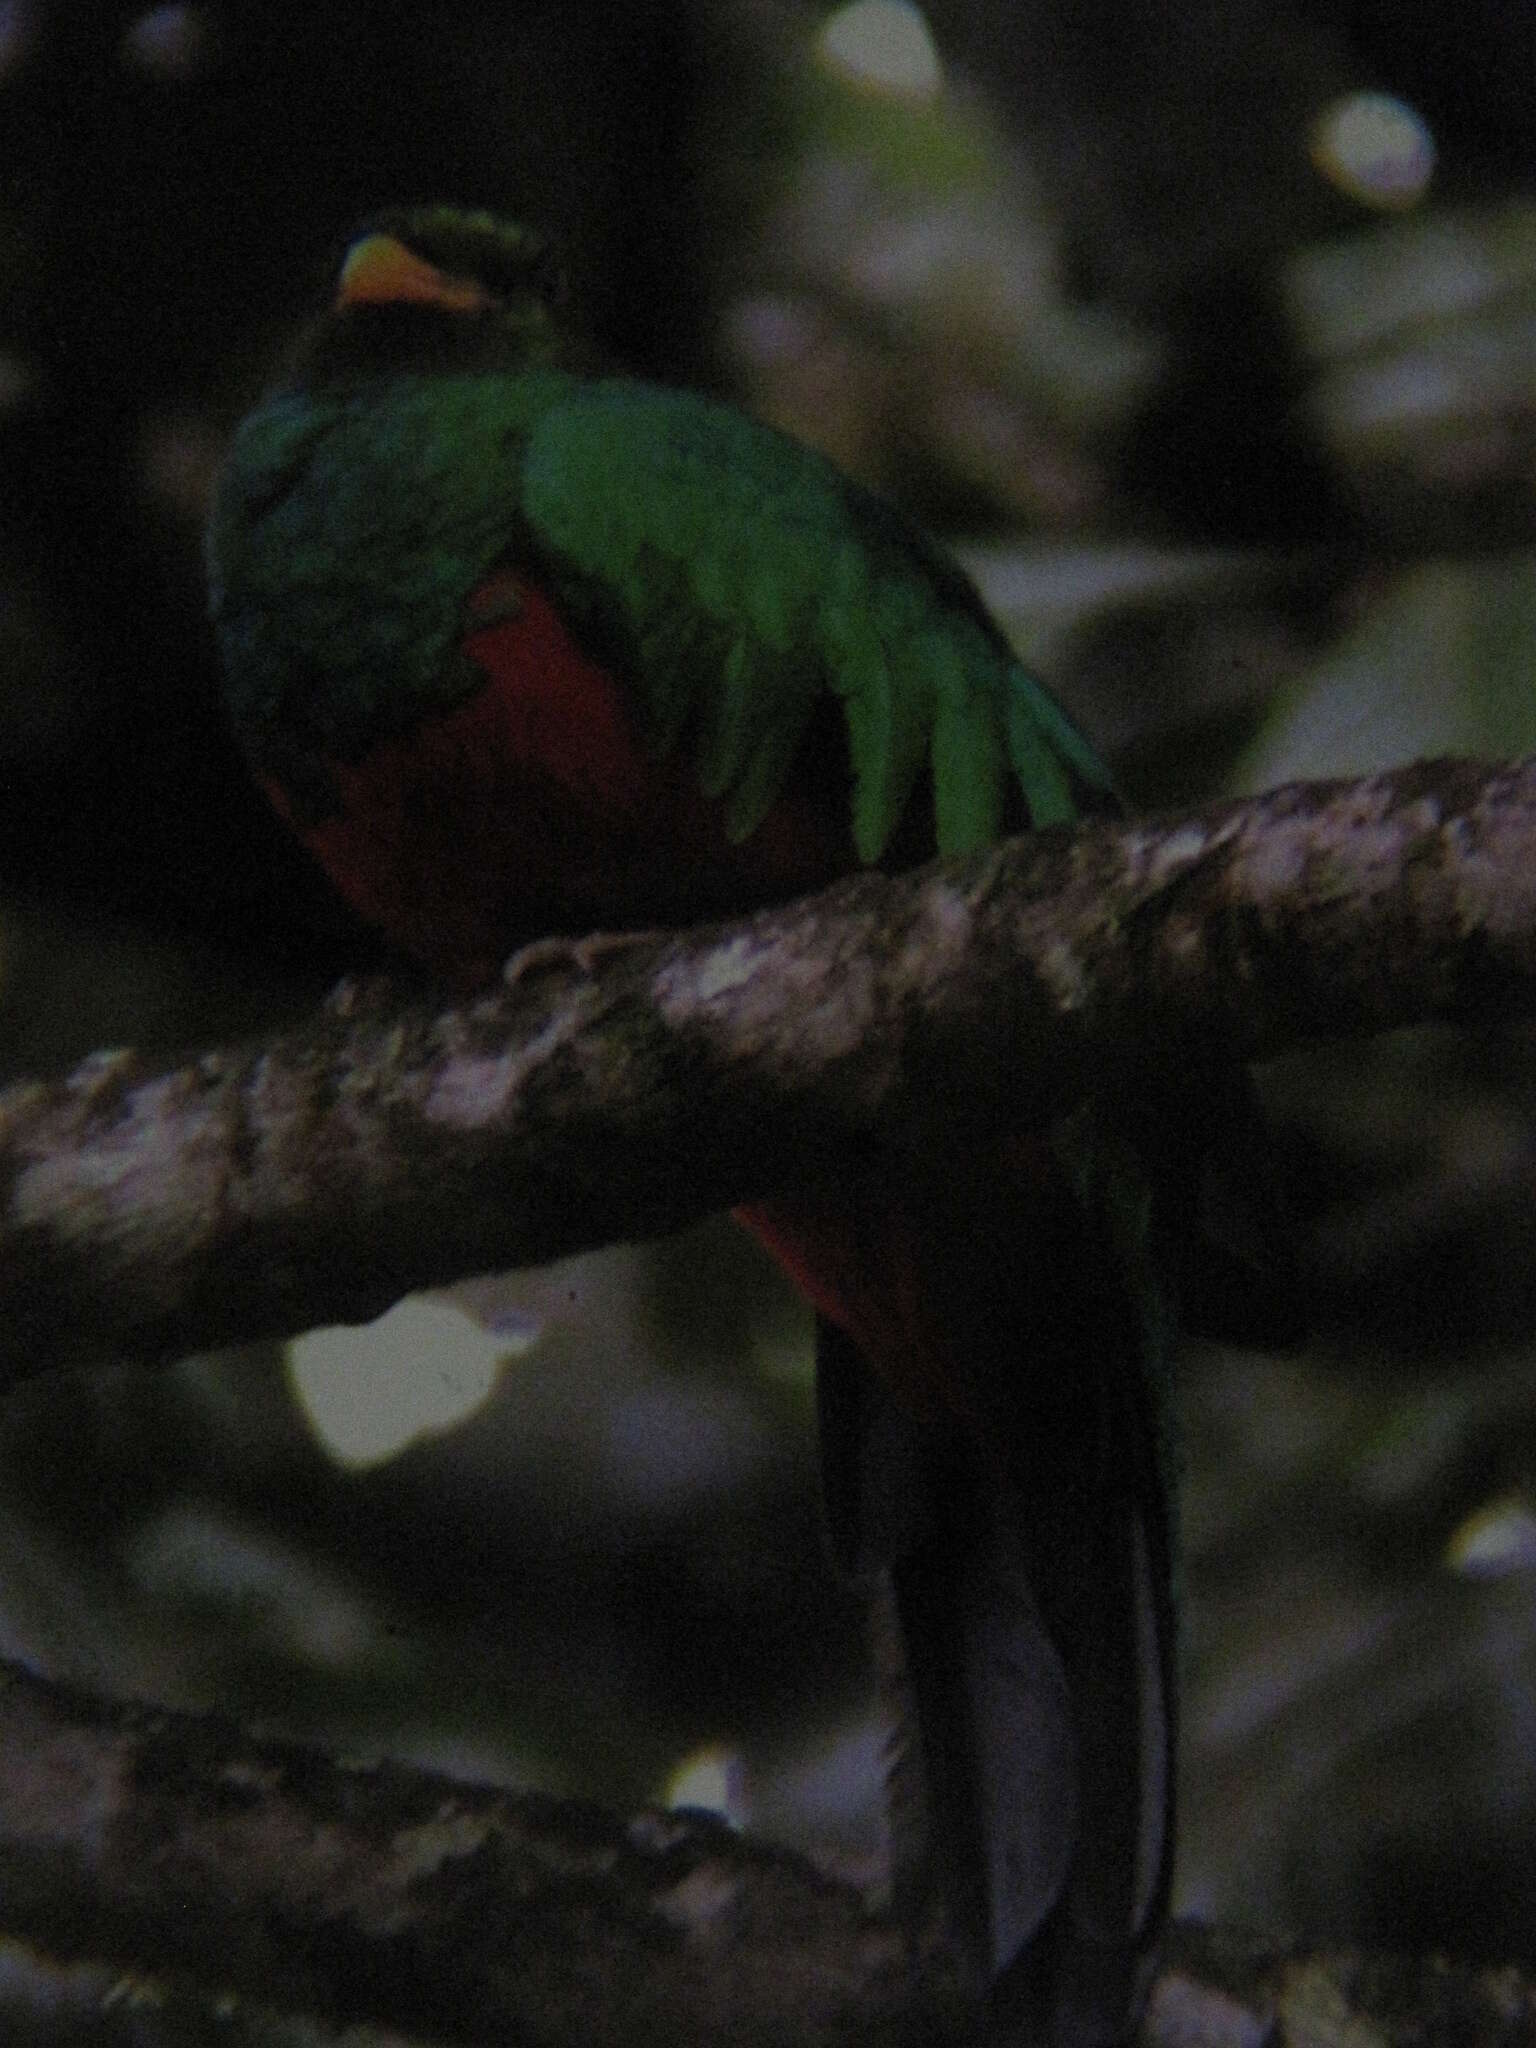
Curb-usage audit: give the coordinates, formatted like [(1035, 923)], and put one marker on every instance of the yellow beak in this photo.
[(380, 270)]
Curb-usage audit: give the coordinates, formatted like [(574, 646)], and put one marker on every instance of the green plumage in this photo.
[(730, 574)]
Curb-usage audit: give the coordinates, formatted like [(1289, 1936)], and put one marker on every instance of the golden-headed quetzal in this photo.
[(519, 648)]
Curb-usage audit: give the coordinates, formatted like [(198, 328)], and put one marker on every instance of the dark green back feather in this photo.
[(731, 574)]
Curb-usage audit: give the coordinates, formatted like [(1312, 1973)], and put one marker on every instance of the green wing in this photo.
[(736, 574), (742, 575)]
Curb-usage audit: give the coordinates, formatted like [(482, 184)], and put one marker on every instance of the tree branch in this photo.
[(179, 1844), (255, 1891), (622, 1087)]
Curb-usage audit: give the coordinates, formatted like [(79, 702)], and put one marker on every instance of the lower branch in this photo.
[(174, 1845), (212, 1886)]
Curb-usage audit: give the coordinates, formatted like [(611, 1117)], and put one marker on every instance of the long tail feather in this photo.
[(1031, 1594)]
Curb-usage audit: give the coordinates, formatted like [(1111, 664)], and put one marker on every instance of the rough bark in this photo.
[(178, 1845), (621, 1087), (166, 1878)]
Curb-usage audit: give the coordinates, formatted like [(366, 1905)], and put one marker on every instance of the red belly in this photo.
[(534, 806)]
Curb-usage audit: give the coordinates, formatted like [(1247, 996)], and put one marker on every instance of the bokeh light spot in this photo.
[(883, 45), (1376, 149), (369, 1390)]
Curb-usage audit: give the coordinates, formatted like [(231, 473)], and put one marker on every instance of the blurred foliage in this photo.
[(1438, 662), (1248, 468)]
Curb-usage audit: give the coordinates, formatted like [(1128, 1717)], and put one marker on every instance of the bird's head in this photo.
[(439, 288)]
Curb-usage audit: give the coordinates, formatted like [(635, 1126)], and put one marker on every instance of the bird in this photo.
[(521, 646)]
